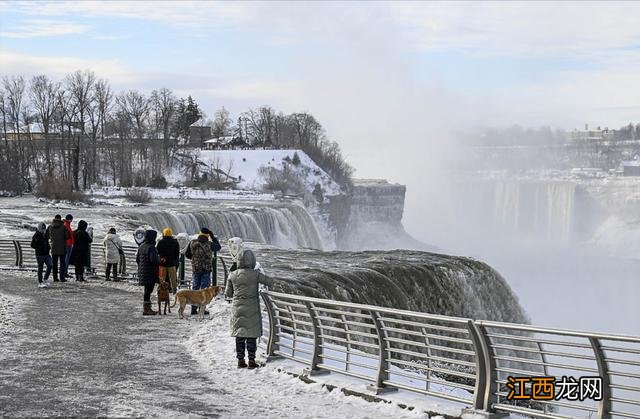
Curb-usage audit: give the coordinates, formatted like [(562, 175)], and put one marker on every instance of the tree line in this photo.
[(93, 135)]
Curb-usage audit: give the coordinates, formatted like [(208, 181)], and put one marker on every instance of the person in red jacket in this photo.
[(70, 241)]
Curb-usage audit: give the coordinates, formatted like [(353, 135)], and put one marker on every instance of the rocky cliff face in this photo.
[(370, 217)]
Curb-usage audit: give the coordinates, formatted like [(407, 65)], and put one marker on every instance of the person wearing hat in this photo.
[(80, 253), (201, 252), (58, 235), (69, 244), (169, 251), (40, 242), (112, 250), (148, 261)]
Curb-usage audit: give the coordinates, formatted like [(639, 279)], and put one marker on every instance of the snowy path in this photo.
[(86, 350)]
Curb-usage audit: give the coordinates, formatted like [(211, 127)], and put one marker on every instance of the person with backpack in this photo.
[(112, 253), (40, 242), (201, 252), (58, 236), (80, 251), (169, 251), (148, 262)]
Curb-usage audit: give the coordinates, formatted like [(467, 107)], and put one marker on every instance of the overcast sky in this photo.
[(387, 80)]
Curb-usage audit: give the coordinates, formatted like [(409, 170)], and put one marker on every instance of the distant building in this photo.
[(220, 143), (590, 135), (199, 132)]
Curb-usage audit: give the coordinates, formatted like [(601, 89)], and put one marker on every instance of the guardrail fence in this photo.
[(18, 253), (477, 363)]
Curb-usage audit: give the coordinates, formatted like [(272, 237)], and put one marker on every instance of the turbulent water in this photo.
[(287, 226), (410, 280)]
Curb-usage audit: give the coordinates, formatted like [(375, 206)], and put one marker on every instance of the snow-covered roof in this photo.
[(631, 163), (200, 123), (219, 140)]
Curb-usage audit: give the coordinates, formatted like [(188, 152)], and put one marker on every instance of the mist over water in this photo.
[(538, 235)]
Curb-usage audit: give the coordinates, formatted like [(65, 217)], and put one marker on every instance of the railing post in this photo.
[(317, 341), (271, 341), (16, 245), (479, 393), (604, 406), (226, 272), (487, 376), (384, 354)]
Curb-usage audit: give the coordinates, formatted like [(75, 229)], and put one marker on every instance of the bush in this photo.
[(140, 180), (159, 182), (59, 189), (284, 181), (296, 159), (138, 195)]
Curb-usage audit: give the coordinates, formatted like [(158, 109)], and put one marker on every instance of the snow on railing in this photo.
[(18, 253), (490, 366)]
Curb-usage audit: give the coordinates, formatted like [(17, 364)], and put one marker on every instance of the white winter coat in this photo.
[(111, 244)]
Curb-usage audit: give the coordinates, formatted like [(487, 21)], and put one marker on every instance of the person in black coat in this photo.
[(80, 252), (40, 242), (148, 262)]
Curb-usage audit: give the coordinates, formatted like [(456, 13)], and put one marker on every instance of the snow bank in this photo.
[(182, 193), (244, 164)]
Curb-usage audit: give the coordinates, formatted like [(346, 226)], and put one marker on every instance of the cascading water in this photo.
[(538, 209), (283, 226), (410, 280)]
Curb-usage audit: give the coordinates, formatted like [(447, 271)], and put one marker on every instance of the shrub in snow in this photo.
[(296, 159), (138, 195), (284, 181), (159, 182), (140, 180), (59, 189)]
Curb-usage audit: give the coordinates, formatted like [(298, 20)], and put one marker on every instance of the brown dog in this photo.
[(163, 296), (200, 298)]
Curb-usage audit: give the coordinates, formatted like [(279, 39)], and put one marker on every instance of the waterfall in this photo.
[(403, 279), (544, 209), (283, 226)]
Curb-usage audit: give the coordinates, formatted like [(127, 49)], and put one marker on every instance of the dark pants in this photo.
[(148, 289), (44, 260), (249, 343), (67, 258), (58, 262), (79, 271), (200, 281), (114, 267)]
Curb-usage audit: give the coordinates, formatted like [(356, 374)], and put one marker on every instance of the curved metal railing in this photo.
[(18, 253), (458, 359)]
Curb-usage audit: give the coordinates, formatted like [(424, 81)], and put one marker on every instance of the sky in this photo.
[(388, 81)]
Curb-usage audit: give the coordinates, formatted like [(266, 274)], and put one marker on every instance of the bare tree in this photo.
[(80, 86), (221, 126), (43, 93)]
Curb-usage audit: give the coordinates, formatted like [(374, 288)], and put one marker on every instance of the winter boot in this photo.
[(242, 364), (252, 364), (148, 311)]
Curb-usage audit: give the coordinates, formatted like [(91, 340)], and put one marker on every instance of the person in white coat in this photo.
[(112, 251)]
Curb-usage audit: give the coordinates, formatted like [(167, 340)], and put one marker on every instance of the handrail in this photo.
[(472, 369)]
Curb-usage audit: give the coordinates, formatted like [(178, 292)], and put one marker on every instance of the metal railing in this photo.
[(459, 359), (19, 254)]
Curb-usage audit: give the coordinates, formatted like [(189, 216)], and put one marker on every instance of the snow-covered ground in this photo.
[(177, 193), (245, 164)]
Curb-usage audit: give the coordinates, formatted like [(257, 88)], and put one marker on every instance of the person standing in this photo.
[(169, 252), (58, 235), (69, 244), (246, 318), (80, 251), (112, 250), (201, 252), (148, 262), (40, 242)]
